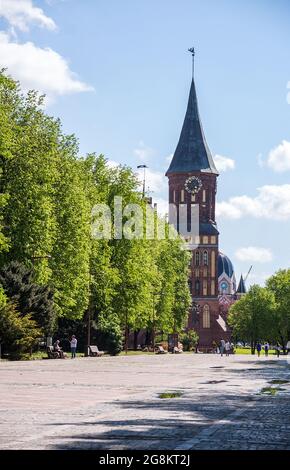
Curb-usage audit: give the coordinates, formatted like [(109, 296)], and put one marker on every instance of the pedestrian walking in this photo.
[(73, 346), (222, 346), (288, 347), (278, 350), (266, 347), (259, 348), (228, 348)]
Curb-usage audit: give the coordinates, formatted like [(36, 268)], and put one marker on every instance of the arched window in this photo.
[(205, 258), (197, 287), (205, 317), (197, 258)]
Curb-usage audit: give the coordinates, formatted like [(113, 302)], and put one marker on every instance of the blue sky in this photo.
[(118, 74)]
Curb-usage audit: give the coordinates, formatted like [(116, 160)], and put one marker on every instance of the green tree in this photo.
[(48, 215), (279, 285), (252, 317), (18, 334), (30, 298)]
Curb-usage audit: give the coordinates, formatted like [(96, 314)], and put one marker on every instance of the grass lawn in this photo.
[(248, 351)]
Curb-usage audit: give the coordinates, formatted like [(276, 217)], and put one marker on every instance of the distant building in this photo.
[(192, 178)]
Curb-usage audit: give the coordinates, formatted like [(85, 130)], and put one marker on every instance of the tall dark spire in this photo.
[(192, 153), (241, 287)]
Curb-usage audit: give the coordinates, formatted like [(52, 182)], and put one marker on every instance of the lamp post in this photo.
[(144, 177), (89, 318), (154, 293)]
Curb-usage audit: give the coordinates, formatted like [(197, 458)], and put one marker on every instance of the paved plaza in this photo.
[(113, 403)]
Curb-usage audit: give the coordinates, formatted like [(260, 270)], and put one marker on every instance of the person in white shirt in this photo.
[(73, 346), (227, 348), (222, 346)]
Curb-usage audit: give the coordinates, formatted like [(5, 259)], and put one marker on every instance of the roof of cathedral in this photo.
[(208, 228), (242, 286), (192, 153), (225, 265)]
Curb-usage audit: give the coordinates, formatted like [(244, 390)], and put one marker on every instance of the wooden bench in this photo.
[(95, 352)]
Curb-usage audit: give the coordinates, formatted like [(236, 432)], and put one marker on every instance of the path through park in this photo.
[(113, 403)]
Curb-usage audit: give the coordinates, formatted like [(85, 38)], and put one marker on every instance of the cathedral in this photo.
[(192, 179)]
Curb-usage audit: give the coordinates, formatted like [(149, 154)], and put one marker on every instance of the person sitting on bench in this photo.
[(57, 348)]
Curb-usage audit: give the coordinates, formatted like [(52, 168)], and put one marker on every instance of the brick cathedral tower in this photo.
[(192, 179)]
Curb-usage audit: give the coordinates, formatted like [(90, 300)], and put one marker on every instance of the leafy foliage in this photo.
[(47, 193), (252, 317), (279, 285), (189, 339), (29, 298), (18, 334)]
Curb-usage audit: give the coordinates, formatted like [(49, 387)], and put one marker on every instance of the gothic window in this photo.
[(213, 263), (204, 288), (203, 195), (206, 317), (212, 287), (197, 287), (182, 196), (197, 258), (205, 258)]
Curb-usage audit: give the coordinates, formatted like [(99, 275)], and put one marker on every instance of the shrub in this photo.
[(17, 334), (189, 339)]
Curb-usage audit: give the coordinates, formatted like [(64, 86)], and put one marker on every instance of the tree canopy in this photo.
[(47, 196)]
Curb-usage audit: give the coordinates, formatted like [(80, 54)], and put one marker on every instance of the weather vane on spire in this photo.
[(193, 54)]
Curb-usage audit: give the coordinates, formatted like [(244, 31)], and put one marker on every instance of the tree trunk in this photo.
[(283, 343), (253, 347), (136, 332)]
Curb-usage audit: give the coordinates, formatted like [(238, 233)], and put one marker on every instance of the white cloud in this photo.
[(279, 157), (258, 278), (143, 152), (272, 202), (169, 158), (224, 163), (113, 164), (154, 180), (254, 254), (41, 69), (21, 13)]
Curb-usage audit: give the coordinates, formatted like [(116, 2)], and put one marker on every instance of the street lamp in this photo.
[(89, 318), (153, 318), (144, 177)]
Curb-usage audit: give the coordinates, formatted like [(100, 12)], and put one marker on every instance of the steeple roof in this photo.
[(241, 287), (192, 153)]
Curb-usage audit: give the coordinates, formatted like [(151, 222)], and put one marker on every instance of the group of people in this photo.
[(266, 348), (226, 347), (73, 347)]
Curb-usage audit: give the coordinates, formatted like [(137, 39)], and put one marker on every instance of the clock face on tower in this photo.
[(193, 184)]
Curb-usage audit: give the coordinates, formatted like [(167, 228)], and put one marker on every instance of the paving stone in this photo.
[(113, 403)]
